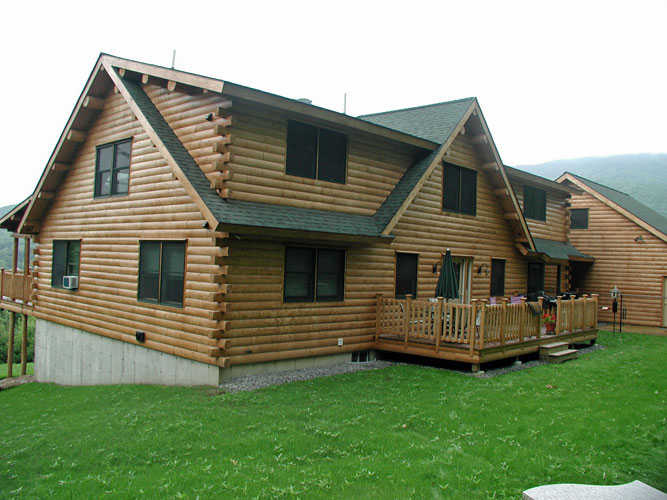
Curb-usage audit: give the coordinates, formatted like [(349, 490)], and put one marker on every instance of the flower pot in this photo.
[(551, 328)]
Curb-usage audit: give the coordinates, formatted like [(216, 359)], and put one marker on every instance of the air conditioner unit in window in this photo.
[(71, 282)]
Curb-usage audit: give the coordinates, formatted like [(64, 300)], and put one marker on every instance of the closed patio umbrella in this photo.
[(447, 286)]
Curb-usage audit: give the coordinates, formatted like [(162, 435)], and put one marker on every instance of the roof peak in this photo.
[(584, 179), (470, 99)]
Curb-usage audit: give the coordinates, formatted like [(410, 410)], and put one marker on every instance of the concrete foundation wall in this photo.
[(69, 356)]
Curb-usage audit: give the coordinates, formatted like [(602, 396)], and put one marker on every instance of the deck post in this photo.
[(571, 323), (503, 320), (24, 344), (472, 325), (10, 344), (406, 318), (378, 315), (482, 322), (522, 320), (438, 323), (26, 270), (558, 315), (595, 310), (540, 300), (2, 282)]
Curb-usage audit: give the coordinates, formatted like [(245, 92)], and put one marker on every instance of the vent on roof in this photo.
[(305, 101)]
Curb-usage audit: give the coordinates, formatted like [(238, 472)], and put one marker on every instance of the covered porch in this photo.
[(479, 332)]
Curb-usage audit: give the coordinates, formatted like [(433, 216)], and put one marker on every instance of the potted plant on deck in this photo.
[(550, 323)]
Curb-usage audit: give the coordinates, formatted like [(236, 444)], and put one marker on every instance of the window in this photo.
[(497, 277), (459, 189), (161, 272), (534, 203), (463, 272), (314, 274), (112, 169), (406, 274), (579, 218), (66, 255), (315, 152), (535, 279)]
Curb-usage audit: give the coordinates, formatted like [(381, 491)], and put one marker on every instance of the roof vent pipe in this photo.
[(305, 101)]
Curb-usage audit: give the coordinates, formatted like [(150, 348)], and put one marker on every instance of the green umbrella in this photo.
[(447, 286)]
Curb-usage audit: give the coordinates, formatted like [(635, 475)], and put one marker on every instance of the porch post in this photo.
[(472, 326), (24, 344), (406, 319), (595, 309), (540, 300), (378, 315), (503, 320), (558, 316), (522, 321), (482, 323), (10, 344), (438, 323)]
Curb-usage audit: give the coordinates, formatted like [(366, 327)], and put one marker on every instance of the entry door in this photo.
[(463, 273), (664, 302), (535, 279)]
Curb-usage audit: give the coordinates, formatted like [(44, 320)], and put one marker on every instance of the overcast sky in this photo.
[(554, 79)]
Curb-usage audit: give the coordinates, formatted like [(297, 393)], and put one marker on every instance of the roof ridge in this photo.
[(584, 179), (417, 107)]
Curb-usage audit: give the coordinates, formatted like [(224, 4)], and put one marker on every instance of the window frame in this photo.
[(459, 188), (65, 266), (495, 264), (160, 272), (579, 210), (114, 168), (396, 272), (317, 152), (531, 210), (314, 276)]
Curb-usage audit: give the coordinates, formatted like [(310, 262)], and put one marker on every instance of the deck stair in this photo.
[(557, 352)]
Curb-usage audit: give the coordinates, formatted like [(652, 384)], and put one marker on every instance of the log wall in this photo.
[(557, 222), (157, 207), (638, 269)]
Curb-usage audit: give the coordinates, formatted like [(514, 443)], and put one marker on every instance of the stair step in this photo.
[(547, 349), (560, 356)]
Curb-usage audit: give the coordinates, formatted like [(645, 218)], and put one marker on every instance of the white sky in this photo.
[(555, 79)]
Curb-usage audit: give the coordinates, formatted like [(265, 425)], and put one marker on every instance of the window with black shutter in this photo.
[(534, 203), (579, 218), (316, 153), (459, 189), (406, 274), (497, 277)]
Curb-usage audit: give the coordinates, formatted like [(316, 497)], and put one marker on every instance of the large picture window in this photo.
[(112, 168), (579, 218), (316, 153), (534, 203), (66, 257), (459, 189), (162, 272), (314, 274), (406, 274)]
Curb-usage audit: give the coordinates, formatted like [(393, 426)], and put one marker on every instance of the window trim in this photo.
[(458, 210), (158, 301), (114, 145), (587, 211), (317, 152), (314, 297), (53, 267), (542, 215)]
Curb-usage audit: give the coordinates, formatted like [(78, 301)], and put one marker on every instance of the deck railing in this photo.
[(15, 286), (479, 323)]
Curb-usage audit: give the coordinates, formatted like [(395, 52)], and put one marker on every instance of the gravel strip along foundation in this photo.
[(252, 382)]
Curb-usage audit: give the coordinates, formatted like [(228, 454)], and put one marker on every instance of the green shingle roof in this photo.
[(434, 122), (625, 201), (561, 250), (246, 213)]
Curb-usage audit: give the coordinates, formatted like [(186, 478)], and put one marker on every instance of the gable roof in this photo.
[(543, 182), (11, 220), (639, 213)]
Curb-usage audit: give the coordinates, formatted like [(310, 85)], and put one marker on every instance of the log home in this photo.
[(629, 243), (189, 230)]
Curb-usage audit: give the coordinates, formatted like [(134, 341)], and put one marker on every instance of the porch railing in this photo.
[(15, 286), (478, 324)]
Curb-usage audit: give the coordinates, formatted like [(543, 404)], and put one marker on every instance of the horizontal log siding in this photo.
[(157, 207), (426, 229), (557, 223), (258, 167), (637, 269)]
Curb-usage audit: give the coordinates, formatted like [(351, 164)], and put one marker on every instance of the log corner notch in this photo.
[(220, 173), (218, 278)]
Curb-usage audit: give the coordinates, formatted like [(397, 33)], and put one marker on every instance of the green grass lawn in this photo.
[(401, 432), (16, 370)]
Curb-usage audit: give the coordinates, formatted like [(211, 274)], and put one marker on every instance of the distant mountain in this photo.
[(642, 176)]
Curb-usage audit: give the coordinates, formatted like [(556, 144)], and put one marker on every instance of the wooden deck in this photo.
[(479, 332), (16, 289)]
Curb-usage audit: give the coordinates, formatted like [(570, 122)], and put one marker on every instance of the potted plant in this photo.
[(549, 322)]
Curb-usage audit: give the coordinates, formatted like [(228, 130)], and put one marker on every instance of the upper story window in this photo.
[(315, 152), (579, 218), (112, 168), (314, 274), (66, 257), (534, 203), (162, 272), (459, 189)]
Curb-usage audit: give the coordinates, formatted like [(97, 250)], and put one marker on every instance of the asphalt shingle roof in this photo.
[(247, 213), (434, 122), (562, 250), (625, 201)]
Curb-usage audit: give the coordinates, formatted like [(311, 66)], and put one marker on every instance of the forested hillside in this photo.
[(6, 243), (642, 176)]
